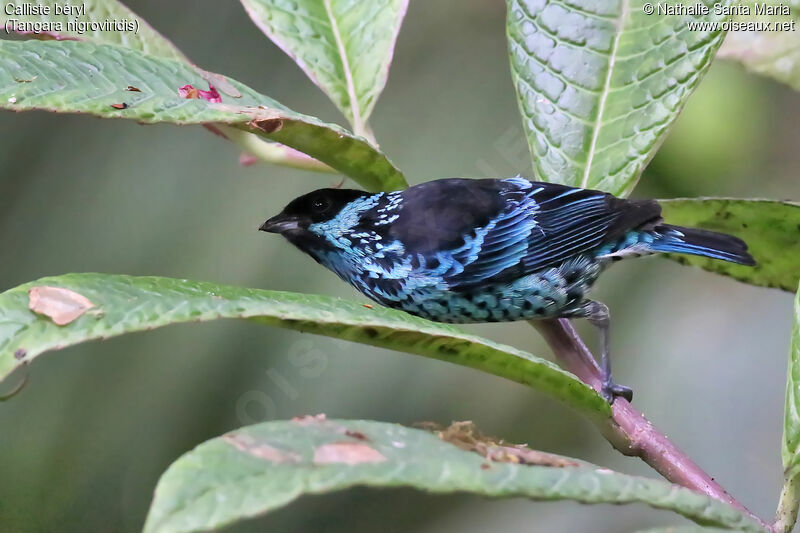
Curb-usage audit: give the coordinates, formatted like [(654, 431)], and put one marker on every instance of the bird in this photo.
[(462, 250)]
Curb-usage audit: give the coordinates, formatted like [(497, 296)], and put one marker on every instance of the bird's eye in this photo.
[(320, 204)]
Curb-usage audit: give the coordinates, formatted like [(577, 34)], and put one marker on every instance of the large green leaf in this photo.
[(84, 77), (772, 51), (599, 83), (123, 304), (256, 469), (790, 449), (90, 25), (770, 228), (344, 46), (150, 42)]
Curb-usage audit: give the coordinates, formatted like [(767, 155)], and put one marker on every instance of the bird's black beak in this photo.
[(279, 224)]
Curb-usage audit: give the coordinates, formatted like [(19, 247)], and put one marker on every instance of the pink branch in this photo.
[(628, 430)]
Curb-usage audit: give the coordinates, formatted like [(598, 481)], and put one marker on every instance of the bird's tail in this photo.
[(677, 239)]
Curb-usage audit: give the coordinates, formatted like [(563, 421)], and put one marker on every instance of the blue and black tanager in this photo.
[(488, 250)]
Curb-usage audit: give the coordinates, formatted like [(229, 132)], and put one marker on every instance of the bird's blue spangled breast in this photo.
[(470, 232)]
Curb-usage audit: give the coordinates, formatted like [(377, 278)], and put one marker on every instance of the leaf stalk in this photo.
[(628, 430)]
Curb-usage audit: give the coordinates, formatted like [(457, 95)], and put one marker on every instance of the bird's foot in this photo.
[(611, 391)]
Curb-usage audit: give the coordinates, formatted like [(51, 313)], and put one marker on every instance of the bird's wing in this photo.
[(541, 225), (439, 215)]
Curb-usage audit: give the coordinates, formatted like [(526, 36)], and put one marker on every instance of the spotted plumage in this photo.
[(489, 250)]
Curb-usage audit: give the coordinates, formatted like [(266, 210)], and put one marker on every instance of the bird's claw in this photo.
[(610, 391)]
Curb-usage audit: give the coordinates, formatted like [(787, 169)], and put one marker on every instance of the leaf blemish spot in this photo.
[(20, 353), (356, 435), (247, 444), (122, 105), (190, 92), (60, 305), (133, 89), (267, 125), (309, 419), (350, 453)]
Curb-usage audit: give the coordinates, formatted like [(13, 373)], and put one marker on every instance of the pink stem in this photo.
[(628, 430)]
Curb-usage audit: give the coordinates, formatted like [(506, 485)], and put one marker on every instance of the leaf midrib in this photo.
[(358, 127), (620, 23)]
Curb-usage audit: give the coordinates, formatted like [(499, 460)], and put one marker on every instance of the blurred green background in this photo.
[(82, 446)]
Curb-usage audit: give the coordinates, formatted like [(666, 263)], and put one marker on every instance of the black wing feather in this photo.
[(437, 215), (575, 221), (532, 226), (565, 222)]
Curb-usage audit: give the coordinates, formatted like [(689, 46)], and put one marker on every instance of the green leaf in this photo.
[(770, 228), (123, 304), (599, 84), (90, 26), (344, 46), (771, 53), (84, 77), (790, 449), (257, 469), (152, 43)]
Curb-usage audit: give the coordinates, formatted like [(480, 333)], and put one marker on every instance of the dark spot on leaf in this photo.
[(267, 125), (356, 435), (22, 80), (485, 466), (122, 105), (20, 353), (370, 332), (133, 89), (447, 349)]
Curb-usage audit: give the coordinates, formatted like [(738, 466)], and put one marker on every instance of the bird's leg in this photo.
[(598, 315)]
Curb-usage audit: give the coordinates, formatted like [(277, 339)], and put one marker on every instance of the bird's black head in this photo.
[(318, 206)]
